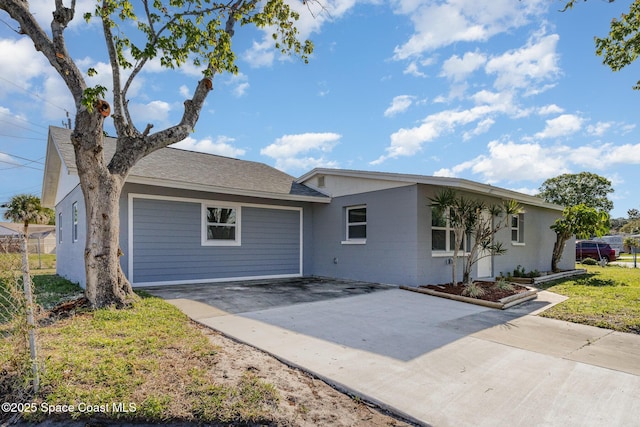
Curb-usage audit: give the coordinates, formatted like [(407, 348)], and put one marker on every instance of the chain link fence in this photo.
[(17, 371)]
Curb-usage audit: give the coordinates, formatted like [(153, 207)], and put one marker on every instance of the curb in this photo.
[(503, 304)]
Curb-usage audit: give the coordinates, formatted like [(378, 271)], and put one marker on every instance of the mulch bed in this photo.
[(491, 292)]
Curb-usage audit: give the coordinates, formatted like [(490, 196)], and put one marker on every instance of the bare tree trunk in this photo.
[(31, 326), (558, 249), (106, 284), (458, 237)]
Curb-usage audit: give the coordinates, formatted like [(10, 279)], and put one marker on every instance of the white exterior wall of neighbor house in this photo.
[(70, 251)]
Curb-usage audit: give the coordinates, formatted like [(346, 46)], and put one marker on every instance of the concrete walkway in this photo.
[(446, 363)]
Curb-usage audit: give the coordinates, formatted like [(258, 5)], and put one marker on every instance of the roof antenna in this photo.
[(67, 125)]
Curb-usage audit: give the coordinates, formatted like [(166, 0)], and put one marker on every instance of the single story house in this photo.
[(42, 238), (188, 217)]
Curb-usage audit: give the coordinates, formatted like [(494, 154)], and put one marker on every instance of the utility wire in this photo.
[(17, 165), (23, 158), (22, 120), (18, 126), (34, 94), (20, 137)]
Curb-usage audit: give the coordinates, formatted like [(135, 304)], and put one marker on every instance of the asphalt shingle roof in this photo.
[(174, 166)]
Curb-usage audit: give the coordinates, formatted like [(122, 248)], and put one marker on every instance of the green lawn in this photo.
[(628, 257), (151, 357), (608, 297), (38, 264), (150, 361)]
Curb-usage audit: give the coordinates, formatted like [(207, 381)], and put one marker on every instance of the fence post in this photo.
[(26, 281)]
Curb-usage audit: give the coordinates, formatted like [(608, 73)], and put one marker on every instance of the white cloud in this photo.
[(599, 128), (291, 151), (603, 156), (413, 70), (452, 21), (625, 129), (523, 68), (457, 69), (103, 74), (482, 127), (515, 71), (24, 70), (563, 125), (409, 141), (399, 104), (155, 112), (510, 162), (261, 54), (312, 17), (5, 158), (43, 12), (240, 84), (184, 91), (20, 63), (550, 109), (526, 190), (220, 146)]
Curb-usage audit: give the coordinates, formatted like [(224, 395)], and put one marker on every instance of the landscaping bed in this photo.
[(493, 296)]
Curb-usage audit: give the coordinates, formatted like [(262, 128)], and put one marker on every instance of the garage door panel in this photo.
[(167, 244)]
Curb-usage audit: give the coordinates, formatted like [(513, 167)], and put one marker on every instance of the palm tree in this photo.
[(26, 209)]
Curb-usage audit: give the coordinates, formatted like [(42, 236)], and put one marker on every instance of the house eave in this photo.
[(224, 190), (456, 183)]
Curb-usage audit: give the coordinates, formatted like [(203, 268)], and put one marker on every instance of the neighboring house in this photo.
[(42, 238), (190, 217)]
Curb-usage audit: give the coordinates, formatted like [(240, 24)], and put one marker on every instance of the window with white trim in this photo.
[(221, 225), (517, 228), (356, 219), (442, 234), (74, 225)]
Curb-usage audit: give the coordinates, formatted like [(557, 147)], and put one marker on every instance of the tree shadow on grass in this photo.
[(596, 281), (587, 279)]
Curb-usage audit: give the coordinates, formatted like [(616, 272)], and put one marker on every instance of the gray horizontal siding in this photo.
[(167, 244)]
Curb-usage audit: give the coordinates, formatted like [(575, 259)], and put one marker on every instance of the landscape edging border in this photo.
[(504, 303)]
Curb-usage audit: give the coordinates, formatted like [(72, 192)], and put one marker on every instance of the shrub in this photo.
[(503, 285), (589, 261), (473, 290), (519, 271)]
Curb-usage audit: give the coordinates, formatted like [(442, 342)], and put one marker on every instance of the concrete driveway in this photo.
[(446, 363)]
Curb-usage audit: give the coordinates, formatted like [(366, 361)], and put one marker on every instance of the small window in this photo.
[(221, 225), (321, 183), (356, 224), (60, 227), (74, 228), (517, 228)]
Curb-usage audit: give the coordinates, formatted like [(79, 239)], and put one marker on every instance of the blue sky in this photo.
[(503, 92)]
